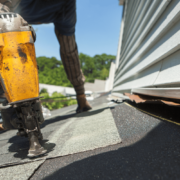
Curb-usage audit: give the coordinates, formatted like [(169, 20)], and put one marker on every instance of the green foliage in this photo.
[(104, 73), (51, 70), (43, 90), (58, 100), (96, 67)]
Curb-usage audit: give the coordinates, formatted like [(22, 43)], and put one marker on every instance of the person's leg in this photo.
[(70, 59), (41, 11), (69, 53), (63, 15)]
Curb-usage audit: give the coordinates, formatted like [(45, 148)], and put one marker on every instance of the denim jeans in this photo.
[(60, 12)]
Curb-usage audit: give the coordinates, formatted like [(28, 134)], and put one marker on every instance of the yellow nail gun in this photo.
[(19, 80)]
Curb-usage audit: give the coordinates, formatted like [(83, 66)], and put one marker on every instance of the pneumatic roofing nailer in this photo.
[(19, 80)]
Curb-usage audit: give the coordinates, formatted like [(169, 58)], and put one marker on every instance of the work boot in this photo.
[(1, 127), (35, 148), (83, 104)]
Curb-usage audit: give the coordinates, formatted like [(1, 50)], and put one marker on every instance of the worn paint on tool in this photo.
[(18, 66), (22, 54)]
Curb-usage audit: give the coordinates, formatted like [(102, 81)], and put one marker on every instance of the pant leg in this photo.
[(63, 15), (60, 12), (70, 59)]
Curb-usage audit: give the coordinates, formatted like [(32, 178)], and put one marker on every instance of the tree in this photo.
[(96, 67), (51, 70), (103, 60), (87, 64), (104, 74)]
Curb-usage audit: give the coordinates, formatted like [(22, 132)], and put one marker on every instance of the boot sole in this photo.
[(84, 109), (33, 154)]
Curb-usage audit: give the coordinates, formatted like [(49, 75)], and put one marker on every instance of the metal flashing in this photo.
[(173, 93)]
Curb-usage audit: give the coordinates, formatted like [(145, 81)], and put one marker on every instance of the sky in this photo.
[(97, 29)]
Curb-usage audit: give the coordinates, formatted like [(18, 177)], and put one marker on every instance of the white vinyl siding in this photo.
[(149, 46)]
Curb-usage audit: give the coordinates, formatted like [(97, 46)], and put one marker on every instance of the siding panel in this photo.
[(150, 46)]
